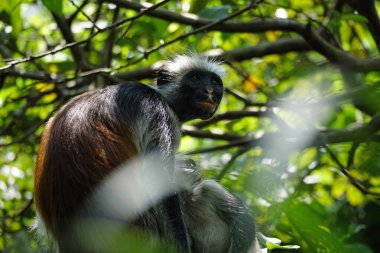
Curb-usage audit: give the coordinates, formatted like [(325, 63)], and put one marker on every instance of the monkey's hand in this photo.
[(186, 173)]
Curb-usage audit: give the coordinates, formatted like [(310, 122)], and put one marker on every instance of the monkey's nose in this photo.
[(209, 90)]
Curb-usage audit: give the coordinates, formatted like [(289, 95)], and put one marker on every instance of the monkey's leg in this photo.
[(216, 220)]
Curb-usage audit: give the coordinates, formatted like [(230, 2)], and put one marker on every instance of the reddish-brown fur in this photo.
[(98, 131), (80, 146)]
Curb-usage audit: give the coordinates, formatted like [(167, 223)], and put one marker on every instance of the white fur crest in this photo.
[(182, 63)]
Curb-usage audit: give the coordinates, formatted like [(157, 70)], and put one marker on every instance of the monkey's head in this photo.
[(192, 86)]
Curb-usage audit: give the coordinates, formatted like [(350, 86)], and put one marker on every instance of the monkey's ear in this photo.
[(163, 77)]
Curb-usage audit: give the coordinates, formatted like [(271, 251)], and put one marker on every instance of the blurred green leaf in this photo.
[(10, 13), (299, 197), (197, 5), (355, 197), (215, 13), (356, 248), (309, 222), (276, 246), (368, 158), (55, 6), (355, 17)]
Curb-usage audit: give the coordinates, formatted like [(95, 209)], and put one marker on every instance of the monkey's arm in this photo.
[(156, 130)]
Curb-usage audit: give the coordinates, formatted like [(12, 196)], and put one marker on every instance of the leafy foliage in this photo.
[(296, 136)]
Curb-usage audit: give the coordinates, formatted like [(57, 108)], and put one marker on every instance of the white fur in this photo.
[(182, 63), (42, 235)]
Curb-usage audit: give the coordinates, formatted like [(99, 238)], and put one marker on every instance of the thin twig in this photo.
[(84, 14), (77, 43), (351, 154), (345, 172), (196, 31), (232, 160)]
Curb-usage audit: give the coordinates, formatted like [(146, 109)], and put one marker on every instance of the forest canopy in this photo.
[(296, 136)]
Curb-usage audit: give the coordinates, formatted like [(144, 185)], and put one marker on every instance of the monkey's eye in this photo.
[(194, 78), (215, 81)]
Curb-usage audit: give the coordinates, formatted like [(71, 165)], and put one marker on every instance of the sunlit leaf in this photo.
[(50, 97), (355, 17), (276, 246), (252, 82), (272, 35), (306, 157), (338, 188), (44, 86), (354, 196)]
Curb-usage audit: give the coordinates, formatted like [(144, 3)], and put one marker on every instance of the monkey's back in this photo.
[(87, 139)]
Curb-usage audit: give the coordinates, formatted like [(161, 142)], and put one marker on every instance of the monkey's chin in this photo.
[(207, 106), (209, 115), (207, 109)]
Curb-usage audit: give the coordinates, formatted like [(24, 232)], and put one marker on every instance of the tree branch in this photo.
[(358, 134), (191, 131), (281, 46), (345, 172), (312, 36), (361, 133), (79, 58), (74, 44), (108, 45), (38, 76), (367, 9), (231, 115)]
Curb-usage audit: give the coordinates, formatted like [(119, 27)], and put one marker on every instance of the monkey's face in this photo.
[(195, 94), (201, 92)]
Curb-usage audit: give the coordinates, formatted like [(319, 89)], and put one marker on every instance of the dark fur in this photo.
[(98, 131), (216, 220), (90, 137)]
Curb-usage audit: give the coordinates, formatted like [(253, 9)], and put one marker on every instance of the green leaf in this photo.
[(55, 6), (368, 158), (353, 248), (10, 13), (276, 246), (309, 220), (355, 17), (215, 13), (354, 196), (306, 157), (274, 243), (197, 5)]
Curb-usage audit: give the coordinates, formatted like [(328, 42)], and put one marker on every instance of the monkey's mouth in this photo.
[(207, 106)]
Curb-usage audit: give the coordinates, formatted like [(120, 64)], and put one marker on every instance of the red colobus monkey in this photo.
[(98, 131)]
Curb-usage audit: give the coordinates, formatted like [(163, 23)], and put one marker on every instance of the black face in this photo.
[(197, 96)]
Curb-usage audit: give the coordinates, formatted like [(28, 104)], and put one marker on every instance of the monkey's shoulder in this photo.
[(137, 93), (130, 100), (140, 101), (130, 95)]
